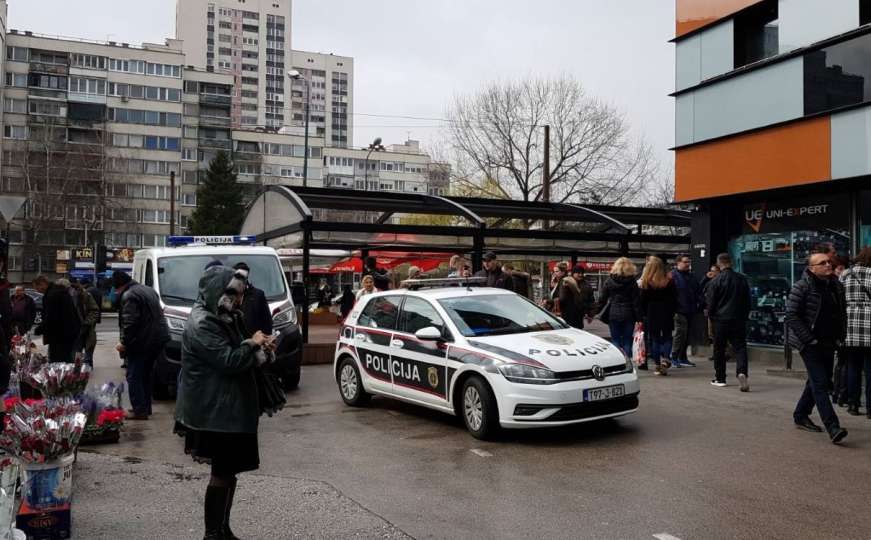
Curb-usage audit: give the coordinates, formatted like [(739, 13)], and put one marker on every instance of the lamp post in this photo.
[(376, 146), (295, 75)]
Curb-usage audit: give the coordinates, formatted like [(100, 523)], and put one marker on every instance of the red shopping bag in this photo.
[(639, 352)]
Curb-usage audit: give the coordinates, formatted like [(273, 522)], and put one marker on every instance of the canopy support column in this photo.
[(306, 260)]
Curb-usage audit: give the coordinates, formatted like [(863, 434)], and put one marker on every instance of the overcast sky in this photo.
[(412, 56)]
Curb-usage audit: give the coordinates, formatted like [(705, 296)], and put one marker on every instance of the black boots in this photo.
[(231, 492), (853, 410), (215, 511)]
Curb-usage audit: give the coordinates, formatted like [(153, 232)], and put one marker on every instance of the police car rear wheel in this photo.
[(350, 385), (479, 409)]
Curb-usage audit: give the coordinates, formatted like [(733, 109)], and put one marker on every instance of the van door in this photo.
[(372, 337)]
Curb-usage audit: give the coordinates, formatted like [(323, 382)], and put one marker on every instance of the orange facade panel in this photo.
[(693, 14), (789, 155)]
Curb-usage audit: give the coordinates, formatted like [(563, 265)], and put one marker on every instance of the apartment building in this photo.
[(400, 167), (250, 40), (773, 104)]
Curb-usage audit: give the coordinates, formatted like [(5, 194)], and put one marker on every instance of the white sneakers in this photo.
[(742, 380), (718, 384)]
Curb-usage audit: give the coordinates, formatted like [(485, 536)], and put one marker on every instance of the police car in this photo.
[(487, 355)]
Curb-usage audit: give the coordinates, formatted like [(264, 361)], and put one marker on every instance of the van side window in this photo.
[(149, 274)]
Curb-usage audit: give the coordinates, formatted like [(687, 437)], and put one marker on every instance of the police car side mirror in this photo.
[(430, 333)]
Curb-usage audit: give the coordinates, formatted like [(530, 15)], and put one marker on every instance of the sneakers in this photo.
[(742, 380), (838, 435), (687, 363), (807, 425), (718, 384)]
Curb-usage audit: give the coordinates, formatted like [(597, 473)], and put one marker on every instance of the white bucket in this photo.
[(48, 485)]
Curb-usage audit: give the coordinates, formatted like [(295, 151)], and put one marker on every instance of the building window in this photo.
[(88, 86), (837, 76), (756, 33), (15, 132), (152, 118), (18, 54), (15, 105), (89, 61), (189, 199), (16, 79)]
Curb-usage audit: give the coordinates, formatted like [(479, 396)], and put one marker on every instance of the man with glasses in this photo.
[(816, 318), (728, 301)]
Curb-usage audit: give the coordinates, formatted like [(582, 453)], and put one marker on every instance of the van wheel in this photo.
[(350, 384), (479, 409)]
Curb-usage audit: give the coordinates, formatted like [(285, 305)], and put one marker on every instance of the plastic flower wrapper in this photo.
[(59, 378), (43, 431)]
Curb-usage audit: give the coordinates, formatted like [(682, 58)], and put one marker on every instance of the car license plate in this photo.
[(606, 392)]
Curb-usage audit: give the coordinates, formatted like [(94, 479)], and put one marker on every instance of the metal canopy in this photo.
[(288, 217)]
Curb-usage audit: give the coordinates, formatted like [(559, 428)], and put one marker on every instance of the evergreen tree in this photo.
[(220, 206)]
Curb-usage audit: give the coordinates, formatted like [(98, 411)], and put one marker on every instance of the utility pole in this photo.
[(545, 180), (172, 203)]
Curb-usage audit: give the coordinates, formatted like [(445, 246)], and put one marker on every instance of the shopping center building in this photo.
[(773, 137)]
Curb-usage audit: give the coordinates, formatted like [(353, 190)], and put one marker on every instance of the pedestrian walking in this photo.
[(218, 409), (143, 334), (857, 286), (23, 311), (728, 302), (255, 307), (658, 307), (494, 274), (367, 287), (689, 300), (346, 304), (61, 322), (619, 304), (576, 298), (89, 313), (97, 295), (713, 272), (816, 317)]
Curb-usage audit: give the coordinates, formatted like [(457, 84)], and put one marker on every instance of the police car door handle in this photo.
[(361, 337), (398, 343)]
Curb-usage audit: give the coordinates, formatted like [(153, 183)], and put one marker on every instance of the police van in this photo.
[(487, 355), (174, 273)]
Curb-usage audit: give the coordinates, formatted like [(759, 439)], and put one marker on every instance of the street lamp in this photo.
[(376, 146), (295, 75)]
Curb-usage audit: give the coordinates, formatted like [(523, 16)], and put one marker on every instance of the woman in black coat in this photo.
[(658, 304), (618, 304)]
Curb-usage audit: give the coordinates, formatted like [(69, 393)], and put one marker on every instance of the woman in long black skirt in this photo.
[(217, 408)]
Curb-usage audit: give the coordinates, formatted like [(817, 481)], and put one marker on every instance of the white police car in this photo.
[(488, 355)]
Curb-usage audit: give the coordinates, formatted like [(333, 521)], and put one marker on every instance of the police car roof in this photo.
[(206, 250), (440, 293)]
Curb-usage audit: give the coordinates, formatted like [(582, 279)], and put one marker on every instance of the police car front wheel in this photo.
[(478, 408), (350, 385)]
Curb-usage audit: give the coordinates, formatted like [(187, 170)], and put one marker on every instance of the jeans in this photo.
[(140, 370), (682, 326), (859, 359), (660, 346), (819, 360), (730, 332), (621, 335)]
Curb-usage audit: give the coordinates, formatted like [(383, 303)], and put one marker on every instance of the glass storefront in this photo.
[(773, 249)]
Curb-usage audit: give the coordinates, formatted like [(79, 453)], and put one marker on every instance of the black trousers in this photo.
[(819, 361), (734, 333), (859, 359)]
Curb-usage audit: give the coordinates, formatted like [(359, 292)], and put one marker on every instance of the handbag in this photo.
[(270, 392)]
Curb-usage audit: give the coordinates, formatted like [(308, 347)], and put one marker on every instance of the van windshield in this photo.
[(179, 277)]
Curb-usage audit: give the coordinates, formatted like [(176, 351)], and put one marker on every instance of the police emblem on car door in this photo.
[(372, 338), (419, 363)]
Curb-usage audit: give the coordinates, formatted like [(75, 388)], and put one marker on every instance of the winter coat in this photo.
[(218, 391), (803, 309), (728, 297), (658, 307), (857, 288), (689, 292), (623, 293), (255, 311), (575, 301), (521, 283), (23, 313), (380, 276), (90, 314), (346, 304), (142, 324), (97, 295), (497, 278), (61, 324)]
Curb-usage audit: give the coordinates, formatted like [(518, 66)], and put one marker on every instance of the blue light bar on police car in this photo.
[(211, 240)]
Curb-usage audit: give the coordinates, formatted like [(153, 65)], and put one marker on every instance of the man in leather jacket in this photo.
[(255, 307), (143, 335), (494, 274), (816, 315), (728, 302)]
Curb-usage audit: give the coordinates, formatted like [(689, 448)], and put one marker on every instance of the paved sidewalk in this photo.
[(131, 499)]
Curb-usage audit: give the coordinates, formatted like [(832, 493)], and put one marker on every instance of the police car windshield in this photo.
[(497, 314), (179, 277)]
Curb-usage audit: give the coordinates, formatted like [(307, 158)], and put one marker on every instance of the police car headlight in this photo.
[(285, 317), (175, 324), (630, 365), (521, 373)]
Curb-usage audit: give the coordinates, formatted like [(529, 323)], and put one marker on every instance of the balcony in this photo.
[(215, 121), (217, 100), (220, 144), (34, 91), (52, 69)]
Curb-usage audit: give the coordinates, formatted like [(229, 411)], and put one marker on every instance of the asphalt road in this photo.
[(694, 462)]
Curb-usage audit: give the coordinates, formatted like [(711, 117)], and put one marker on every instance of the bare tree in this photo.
[(497, 142)]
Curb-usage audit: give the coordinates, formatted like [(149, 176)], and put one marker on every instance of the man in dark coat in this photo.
[(520, 279), (379, 275), (61, 324), (816, 315), (255, 308), (576, 298), (728, 302), (144, 334), (689, 301), (23, 311), (494, 274)]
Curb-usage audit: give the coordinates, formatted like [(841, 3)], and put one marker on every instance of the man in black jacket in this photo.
[(61, 324), (688, 304), (816, 318), (255, 308), (379, 275), (144, 334), (728, 301), (494, 274)]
